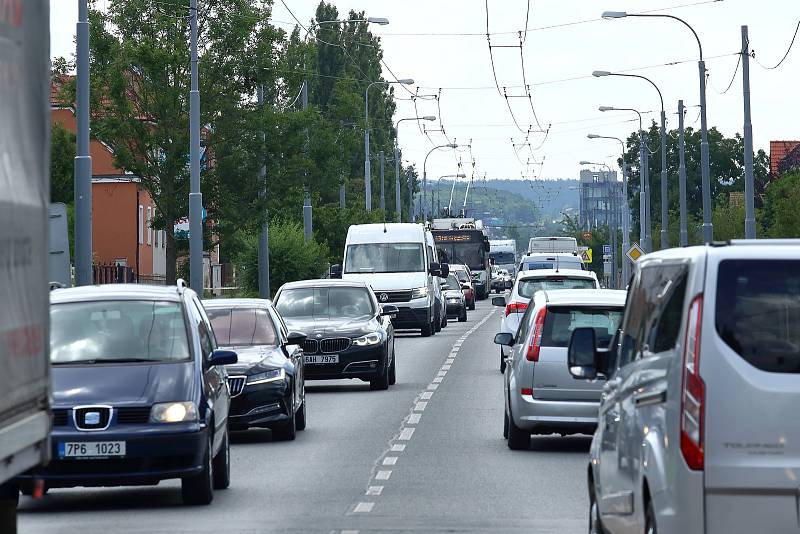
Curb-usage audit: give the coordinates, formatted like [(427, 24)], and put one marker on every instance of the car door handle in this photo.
[(649, 398)]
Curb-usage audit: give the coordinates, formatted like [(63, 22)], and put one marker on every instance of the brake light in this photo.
[(536, 336), (693, 392), (526, 391), (516, 307)]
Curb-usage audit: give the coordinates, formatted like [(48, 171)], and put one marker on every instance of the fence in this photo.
[(112, 274)]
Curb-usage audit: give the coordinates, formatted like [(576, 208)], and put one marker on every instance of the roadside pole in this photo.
[(263, 239), (749, 192)]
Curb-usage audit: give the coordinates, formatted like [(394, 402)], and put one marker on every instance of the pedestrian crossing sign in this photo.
[(586, 256)]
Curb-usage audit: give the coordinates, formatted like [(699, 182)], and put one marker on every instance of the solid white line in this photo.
[(374, 490), (398, 447), (383, 475), (414, 418), (426, 395), (390, 460), (420, 407), (406, 433), (364, 507)]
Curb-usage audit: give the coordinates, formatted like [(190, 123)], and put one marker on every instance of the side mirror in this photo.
[(504, 338), (582, 354), (296, 338), (465, 286), (222, 357), (445, 269), (499, 301), (509, 284), (435, 269), (390, 310), (487, 246), (336, 271)]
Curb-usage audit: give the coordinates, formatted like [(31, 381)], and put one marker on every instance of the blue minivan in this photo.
[(139, 392)]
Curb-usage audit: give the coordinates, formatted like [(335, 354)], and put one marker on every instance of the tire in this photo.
[(437, 323), (300, 418), (381, 382), (9, 500), (444, 321), (288, 430), (472, 305), (199, 489), (393, 369), (518, 439), (462, 317), (502, 362), (505, 424), (595, 524), (222, 465), (650, 520), (427, 330)]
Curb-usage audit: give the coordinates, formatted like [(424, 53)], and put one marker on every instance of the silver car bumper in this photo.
[(530, 413)]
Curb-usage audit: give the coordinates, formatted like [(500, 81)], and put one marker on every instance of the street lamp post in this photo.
[(705, 171), (397, 164), (425, 177), (439, 192), (664, 197), (195, 196), (626, 230), (83, 157), (367, 181)]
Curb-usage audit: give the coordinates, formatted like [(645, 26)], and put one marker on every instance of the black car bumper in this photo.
[(412, 318), (261, 405), (455, 309), (356, 362), (152, 453)]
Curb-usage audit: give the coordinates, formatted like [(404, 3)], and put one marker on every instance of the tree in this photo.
[(62, 165), (781, 214)]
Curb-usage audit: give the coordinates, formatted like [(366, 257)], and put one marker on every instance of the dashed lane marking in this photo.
[(406, 434), (420, 407), (414, 418), (364, 507), (383, 475), (374, 490), (390, 460), (398, 447)]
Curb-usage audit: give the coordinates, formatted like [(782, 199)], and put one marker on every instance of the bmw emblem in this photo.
[(383, 297), (319, 335)]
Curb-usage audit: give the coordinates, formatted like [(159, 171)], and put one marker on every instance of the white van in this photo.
[(399, 262)]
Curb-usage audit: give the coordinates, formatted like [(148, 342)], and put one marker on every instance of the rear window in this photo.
[(561, 264), (758, 312), (559, 322), (529, 286), (242, 326)]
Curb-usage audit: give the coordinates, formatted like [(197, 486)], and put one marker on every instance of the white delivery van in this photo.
[(399, 262)]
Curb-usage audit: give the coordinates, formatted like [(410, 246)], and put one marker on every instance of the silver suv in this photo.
[(541, 396), (699, 425)]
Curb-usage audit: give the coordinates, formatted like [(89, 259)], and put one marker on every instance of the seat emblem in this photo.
[(92, 418)]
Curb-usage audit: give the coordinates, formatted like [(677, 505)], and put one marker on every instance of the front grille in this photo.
[(384, 297), (61, 417), (335, 344), (310, 346), (92, 417), (134, 415), (236, 384)]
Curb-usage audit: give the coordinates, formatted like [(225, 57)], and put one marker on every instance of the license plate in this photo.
[(315, 359), (91, 449)]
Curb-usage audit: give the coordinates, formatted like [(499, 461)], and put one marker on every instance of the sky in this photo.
[(566, 40)]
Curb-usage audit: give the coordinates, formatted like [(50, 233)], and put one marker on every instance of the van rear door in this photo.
[(750, 366)]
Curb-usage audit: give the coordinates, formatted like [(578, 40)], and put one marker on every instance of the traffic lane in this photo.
[(306, 485), (457, 473)]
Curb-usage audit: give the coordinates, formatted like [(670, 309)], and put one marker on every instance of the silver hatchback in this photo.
[(541, 397)]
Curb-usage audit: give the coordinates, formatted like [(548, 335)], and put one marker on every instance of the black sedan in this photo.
[(267, 383), (349, 335)]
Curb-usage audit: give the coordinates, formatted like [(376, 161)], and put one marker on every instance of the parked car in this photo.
[(267, 384), (139, 391), (528, 283), (551, 260), (698, 429), (453, 291), (465, 277), (540, 395), (349, 334)]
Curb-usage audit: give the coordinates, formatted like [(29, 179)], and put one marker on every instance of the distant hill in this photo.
[(550, 197), (486, 202)]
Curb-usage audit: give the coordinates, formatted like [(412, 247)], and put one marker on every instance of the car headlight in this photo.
[(367, 340), (274, 375), (173, 412), (419, 292)]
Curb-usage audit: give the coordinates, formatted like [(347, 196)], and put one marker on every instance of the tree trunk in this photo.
[(172, 268)]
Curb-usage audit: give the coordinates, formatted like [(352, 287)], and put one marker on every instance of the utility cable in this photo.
[(785, 55)]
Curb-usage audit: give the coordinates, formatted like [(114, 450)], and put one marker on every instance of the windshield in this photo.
[(325, 303), (559, 323), (470, 254), (117, 331), (462, 275), (502, 258), (453, 282), (242, 326), (529, 286), (385, 258)]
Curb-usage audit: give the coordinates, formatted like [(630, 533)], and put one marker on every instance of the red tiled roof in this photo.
[(777, 151)]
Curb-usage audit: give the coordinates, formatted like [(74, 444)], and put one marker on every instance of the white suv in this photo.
[(699, 423), (526, 284)]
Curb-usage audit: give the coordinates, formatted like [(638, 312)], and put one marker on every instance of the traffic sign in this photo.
[(586, 256), (587, 235), (606, 249), (635, 252)]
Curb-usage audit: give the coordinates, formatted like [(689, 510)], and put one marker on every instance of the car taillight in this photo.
[(516, 307), (536, 336), (693, 393)]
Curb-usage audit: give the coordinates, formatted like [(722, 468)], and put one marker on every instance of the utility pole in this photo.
[(412, 214), (749, 189), (705, 165), (682, 175), (195, 196), (625, 221), (664, 197), (263, 239), (341, 192), (382, 158), (307, 209), (642, 191), (397, 207), (83, 159), (647, 215)]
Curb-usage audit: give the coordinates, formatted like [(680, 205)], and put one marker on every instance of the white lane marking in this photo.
[(390, 460), (446, 367), (406, 434), (414, 418), (398, 447), (449, 361), (433, 386), (364, 507), (374, 490), (441, 373), (383, 475), (420, 407), (426, 395), (349, 532), (437, 380)]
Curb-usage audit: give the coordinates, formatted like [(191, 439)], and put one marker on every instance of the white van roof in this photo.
[(386, 233)]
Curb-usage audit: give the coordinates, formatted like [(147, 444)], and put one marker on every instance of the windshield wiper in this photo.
[(104, 360)]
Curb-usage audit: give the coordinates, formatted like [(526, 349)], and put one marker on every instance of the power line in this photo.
[(785, 55), (733, 78)]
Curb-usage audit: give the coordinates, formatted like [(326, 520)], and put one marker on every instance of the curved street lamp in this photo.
[(425, 176), (398, 214)]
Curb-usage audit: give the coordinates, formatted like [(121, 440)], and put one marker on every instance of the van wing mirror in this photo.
[(336, 271), (499, 301), (582, 356), (435, 269), (445, 269)]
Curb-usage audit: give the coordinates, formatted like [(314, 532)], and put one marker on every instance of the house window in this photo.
[(141, 224), (149, 226)]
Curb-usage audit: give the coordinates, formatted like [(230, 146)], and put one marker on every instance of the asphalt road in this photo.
[(425, 456)]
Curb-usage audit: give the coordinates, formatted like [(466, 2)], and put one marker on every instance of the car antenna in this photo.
[(556, 262)]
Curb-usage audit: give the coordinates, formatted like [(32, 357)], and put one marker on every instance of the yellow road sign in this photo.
[(586, 256), (635, 252)]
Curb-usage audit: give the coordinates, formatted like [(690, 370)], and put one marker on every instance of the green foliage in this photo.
[(781, 213), (291, 258), (62, 165), (331, 224)]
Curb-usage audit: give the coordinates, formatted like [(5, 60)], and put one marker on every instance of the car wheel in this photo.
[(300, 418), (650, 520), (9, 495), (437, 323), (199, 488), (518, 439), (595, 525), (462, 317), (427, 330), (288, 430), (393, 370), (502, 362), (505, 424), (222, 465), (472, 305), (444, 321), (381, 382)]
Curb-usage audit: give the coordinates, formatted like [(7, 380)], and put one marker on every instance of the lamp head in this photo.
[(614, 14), (599, 73), (606, 108), (593, 136), (378, 20), (452, 145), (585, 163), (428, 118), (406, 81), (461, 175)]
